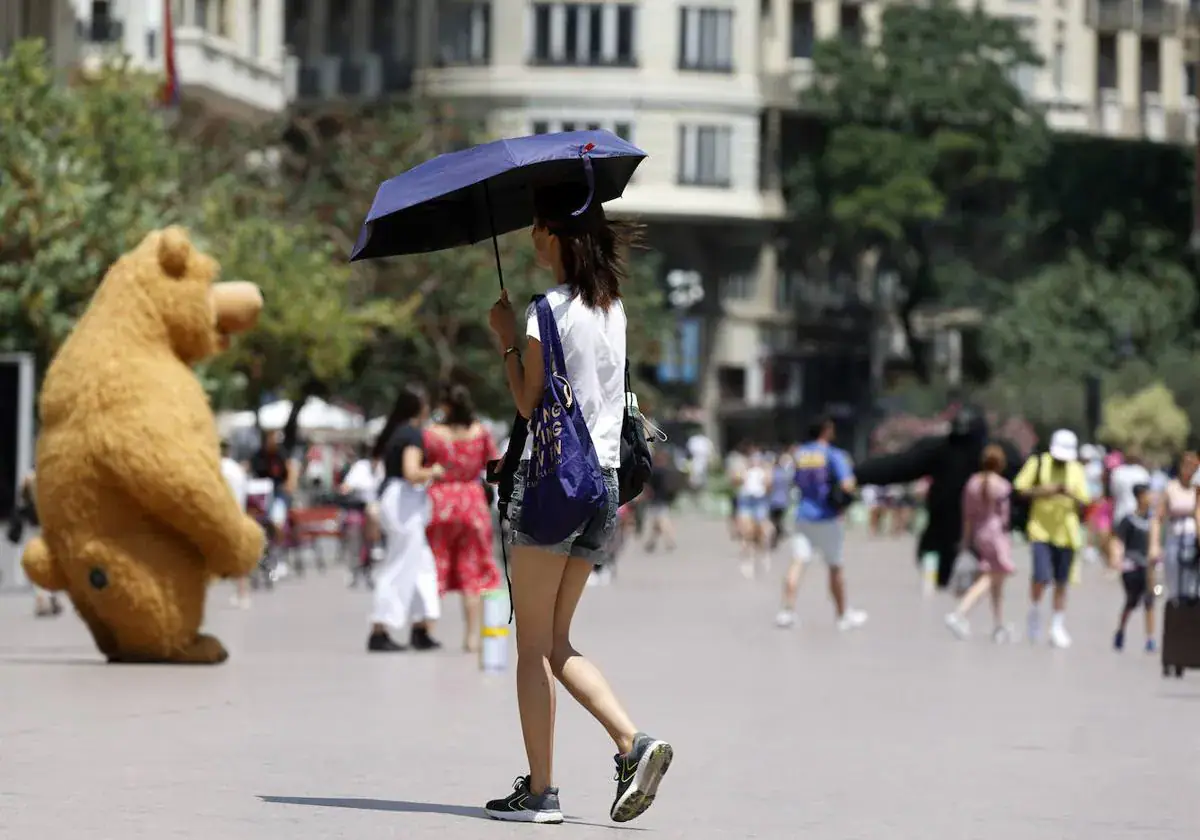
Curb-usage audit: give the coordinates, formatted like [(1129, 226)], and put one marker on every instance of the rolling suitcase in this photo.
[(1181, 617)]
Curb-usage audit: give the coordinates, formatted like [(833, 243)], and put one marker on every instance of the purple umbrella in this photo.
[(461, 198)]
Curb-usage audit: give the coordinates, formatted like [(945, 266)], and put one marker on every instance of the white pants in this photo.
[(406, 584)]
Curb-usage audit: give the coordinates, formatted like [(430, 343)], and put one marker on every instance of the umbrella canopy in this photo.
[(461, 198)]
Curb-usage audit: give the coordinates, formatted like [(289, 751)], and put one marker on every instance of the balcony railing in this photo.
[(1152, 18), (1111, 15)]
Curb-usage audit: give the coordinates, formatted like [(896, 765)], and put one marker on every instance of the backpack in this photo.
[(636, 463), (838, 499), (564, 487)]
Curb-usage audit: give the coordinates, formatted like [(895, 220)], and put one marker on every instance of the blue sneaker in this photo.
[(1151, 646), (523, 806), (1119, 640)]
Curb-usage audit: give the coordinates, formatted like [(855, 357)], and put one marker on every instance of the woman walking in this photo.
[(460, 532), (985, 505), (406, 582), (586, 254), (1174, 528)]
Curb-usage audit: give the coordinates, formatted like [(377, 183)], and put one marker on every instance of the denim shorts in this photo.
[(756, 508), (589, 541), (1052, 563)]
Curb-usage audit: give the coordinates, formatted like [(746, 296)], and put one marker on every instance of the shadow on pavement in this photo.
[(402, 806)]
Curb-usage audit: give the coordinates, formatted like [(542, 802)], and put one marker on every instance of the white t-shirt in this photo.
[(1122, 481), (701, 450), (235, 477), (363, 479), (754, 481), (593, 345)]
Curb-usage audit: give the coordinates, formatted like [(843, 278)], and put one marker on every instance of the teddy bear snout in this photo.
[(236, 306)]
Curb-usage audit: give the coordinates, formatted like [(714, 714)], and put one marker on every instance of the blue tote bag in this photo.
[(564, 487)]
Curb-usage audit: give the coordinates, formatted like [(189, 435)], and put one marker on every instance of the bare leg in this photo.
[(1060, 597), (578, 675), (791, 584), (536, 577), (978, 589), (1149, 622), (837, 590), (998, 598), (472, 610)]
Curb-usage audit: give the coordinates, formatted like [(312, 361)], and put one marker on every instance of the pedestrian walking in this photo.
[(235, 476), (581, 324), (1135, 552), (406, 583), (664, 489), (825, 479), (1175, 524), (1056, 484), (985, 504), (24, 518), (460, 531)]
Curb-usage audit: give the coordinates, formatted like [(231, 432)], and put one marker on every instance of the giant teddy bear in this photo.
[(136, 516)]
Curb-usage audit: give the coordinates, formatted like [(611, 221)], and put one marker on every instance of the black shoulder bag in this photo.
[(636, 464)]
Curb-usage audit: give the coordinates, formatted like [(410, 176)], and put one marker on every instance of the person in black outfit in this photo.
[(406, 583), (1131, 553), (948, 461), (664, 486)]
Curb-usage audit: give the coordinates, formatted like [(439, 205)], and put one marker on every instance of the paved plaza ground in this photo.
[(896, 732)]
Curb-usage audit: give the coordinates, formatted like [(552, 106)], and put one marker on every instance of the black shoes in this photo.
[(382, 643), (638, 773), (419, 639), (523, 806)]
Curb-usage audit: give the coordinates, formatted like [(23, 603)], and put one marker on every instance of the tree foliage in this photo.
[(922, 145), (1149, 420)]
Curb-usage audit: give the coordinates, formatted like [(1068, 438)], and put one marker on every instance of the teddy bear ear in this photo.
[(174, 251)]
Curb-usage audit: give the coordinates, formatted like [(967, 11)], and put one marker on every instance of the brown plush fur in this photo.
[(136, 516)]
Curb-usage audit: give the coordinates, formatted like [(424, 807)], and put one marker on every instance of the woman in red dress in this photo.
[(460, 532)]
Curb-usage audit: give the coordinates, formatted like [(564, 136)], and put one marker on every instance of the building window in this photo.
[(739, 286), (541, 127), (704, 155), (569, 125), (255, 28), (338, 27), (1150, 68), (200, 12), (222, 18), (850, 26), (583, 34), (803, 33), (706, 39), (464, 32), (624, 130), (1058, 69), (731, 383), (1106, 62), (1024, 76), (1189, 79)]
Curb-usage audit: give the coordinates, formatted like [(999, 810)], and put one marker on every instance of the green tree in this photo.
[(84, 172), (87, 170), (920, 149), (1149, 420)]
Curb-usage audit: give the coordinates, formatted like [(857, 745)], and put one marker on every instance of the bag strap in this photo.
[(552, 352)]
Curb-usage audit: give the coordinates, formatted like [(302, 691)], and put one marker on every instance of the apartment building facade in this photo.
[(228, 53), (53, 21)]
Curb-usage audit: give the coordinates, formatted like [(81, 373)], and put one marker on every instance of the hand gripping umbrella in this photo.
[(462, 198)]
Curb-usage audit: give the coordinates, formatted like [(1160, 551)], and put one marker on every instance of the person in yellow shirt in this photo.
[(1057, 487)]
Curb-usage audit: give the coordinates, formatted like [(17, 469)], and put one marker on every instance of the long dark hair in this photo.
[(409, 404), (460, 408), (595, 251)]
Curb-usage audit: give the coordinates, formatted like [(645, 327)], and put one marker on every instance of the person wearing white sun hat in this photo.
[(1056, 484)]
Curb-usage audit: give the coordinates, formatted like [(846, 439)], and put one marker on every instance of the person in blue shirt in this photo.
[(824, 477)]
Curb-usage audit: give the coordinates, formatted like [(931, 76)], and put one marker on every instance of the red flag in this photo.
[(170, 92)]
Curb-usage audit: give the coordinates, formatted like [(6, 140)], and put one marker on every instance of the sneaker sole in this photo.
[(640, 795), (540, 817)]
